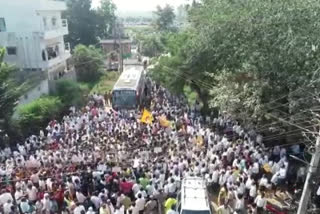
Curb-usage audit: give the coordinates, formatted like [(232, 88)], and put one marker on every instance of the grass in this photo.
[(105, 84)]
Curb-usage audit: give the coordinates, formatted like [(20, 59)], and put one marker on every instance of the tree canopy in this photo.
[(9, 91), (86, 25), (164, 18), (88, 62), (255, 60)]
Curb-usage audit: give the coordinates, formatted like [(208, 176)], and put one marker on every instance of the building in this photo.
[(113, 45), (32, 31), (111, 48)]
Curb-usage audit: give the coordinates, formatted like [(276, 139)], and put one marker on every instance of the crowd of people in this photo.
[(98, 160)]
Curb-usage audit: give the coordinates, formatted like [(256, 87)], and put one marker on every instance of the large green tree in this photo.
[(88, 62), (164, 18), (83, 22), (256, 60), (9, 92), (107, 18)]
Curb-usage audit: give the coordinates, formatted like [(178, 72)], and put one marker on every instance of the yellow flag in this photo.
[(146, 117), (164, 122)]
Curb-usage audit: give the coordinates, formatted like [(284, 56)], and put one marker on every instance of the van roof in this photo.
[(194, 194)]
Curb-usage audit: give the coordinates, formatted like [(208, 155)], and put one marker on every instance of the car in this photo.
[(193, 197)]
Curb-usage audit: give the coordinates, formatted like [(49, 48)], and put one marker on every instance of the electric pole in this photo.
[(120, 52), (303, 205)]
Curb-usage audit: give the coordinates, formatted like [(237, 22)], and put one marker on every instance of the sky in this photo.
[(141, 5)]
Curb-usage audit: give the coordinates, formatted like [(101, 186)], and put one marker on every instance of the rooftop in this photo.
[(194, 194), (112, 41)]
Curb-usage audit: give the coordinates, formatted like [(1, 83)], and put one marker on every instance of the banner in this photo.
[(146, 117)]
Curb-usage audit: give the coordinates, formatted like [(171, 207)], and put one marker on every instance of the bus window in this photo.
[(124, 98)]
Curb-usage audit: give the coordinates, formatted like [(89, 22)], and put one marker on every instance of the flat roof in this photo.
[(129, 79), (194, 194), (112, 41)]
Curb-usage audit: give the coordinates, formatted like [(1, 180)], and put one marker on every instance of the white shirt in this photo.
[(261, 202), (96, 201), (172, 187), (135, 188), (253, 191), (215, 176), (32, 193), (255, 168), (282, 173), (248, 183), (18, 196), (4, 197), (78, 209), (140, 202), (80, 197), (7, 207)]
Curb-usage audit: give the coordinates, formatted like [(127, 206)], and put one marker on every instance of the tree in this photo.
[(88, 63), (36, 115), (83, 23), (70, 93), (107, 18), (9, 92), (164, 18), (256, 60)]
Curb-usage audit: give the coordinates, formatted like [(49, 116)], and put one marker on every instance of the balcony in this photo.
[(57, 61), (60, 30)]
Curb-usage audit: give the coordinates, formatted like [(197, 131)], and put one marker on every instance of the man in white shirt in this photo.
[(261, 202), (7, 207), (172, 186), (32, 192), (80, 197), (96, 201), (253, 191), (136, 187), (140, 202), (79, 209)]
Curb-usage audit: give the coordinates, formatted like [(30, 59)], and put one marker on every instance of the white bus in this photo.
[(128, 92)]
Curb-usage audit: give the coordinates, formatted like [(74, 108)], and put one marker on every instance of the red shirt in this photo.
[(126, 187)]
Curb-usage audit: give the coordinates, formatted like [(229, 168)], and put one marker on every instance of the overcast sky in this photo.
[(141, 5)]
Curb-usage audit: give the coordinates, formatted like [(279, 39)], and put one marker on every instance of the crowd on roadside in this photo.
[(97, 160)]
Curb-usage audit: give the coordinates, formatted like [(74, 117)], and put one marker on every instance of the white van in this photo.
[(193, 197)]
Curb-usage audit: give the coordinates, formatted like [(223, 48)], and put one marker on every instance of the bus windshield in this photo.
[(124, 98)]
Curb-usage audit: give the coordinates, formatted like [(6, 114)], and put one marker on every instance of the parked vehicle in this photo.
[(193, 198), (128, 90)]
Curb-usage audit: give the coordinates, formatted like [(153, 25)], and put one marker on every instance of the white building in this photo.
[(32, 31)]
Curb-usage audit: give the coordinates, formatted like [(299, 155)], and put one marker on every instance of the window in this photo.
[(44, 22), (12, 50), (54, 21), (2, 25), (51, 53)]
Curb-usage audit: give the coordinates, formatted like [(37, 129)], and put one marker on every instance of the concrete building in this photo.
[(113, 45), (32, 32)]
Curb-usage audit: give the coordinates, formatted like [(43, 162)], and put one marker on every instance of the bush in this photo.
[(88, 62), (37, 114), (71, 93)]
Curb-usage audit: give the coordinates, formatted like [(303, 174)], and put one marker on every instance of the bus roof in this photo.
[(129, 79)]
